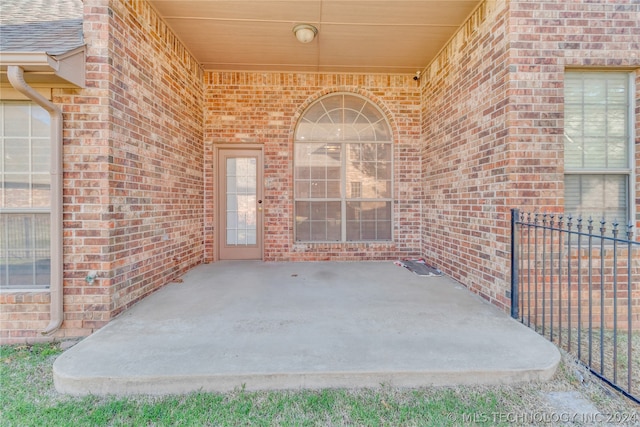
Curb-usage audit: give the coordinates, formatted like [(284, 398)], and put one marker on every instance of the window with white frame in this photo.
[(343, 161), (598, 151), (24, 196)]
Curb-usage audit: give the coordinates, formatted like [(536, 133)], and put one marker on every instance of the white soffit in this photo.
[(385, 36)]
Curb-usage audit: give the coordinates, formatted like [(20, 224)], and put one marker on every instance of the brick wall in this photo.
[(493, 115), (86, 199), (22, 314), (482, 134), (546, 38), (156, 175), (262, 108), (465, 156), (133, 177)]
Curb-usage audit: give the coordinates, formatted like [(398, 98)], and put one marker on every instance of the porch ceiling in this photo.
[(372, 36)]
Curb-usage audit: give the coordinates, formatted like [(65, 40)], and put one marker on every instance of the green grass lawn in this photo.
[(28, 398)]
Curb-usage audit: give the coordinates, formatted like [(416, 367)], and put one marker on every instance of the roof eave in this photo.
[(66, 67)]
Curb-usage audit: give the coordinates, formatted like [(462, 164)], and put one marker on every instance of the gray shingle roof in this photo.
[(53, 26)]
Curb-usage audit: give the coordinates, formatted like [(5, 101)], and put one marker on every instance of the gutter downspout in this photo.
[(16, 78)]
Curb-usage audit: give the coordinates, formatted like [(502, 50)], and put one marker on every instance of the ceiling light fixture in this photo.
[(305, 33)]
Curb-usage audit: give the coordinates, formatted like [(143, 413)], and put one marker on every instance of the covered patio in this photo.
[(263, 325)]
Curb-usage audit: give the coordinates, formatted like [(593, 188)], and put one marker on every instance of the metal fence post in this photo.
[(609, 294), (515, 214)]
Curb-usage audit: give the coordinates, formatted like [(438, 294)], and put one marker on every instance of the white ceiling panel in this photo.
[(386, 36)]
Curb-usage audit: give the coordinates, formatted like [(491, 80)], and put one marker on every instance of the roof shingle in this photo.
[(52, 26)]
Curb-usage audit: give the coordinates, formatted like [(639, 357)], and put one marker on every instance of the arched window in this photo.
[(343, 159)]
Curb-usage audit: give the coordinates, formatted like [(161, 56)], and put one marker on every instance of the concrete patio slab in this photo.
[(304, 325)]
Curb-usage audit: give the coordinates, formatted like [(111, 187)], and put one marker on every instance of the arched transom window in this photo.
[(343, 159)]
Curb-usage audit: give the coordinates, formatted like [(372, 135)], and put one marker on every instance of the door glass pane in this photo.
[(241, 218)]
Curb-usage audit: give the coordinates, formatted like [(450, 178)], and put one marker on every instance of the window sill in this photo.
[(24, 290)]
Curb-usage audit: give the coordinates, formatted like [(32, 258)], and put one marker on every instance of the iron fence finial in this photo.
[(598, 269)]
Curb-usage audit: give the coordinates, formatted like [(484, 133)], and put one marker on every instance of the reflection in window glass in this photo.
[(241, 201), (597, 196), (597, 142), (25, 196), (343, 172), (24, 250)]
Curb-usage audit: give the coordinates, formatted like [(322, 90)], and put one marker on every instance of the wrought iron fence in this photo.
[(577, 282)]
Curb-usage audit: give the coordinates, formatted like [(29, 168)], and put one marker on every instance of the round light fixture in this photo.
[(305, 33)]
